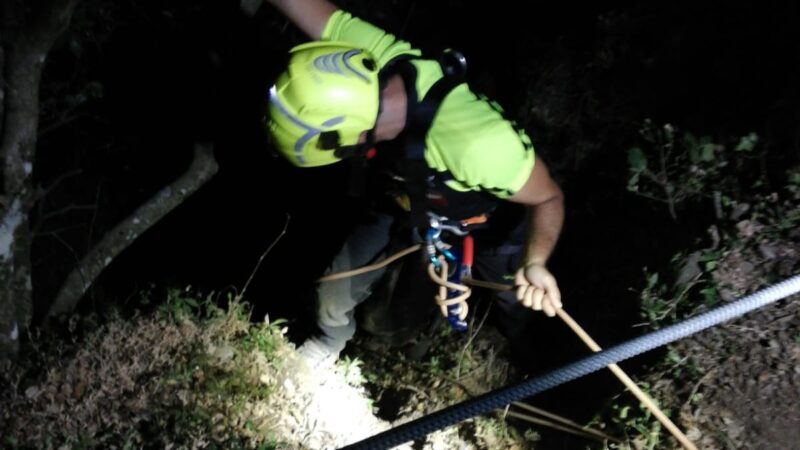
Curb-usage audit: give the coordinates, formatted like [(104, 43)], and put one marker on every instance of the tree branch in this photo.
[(28, 29), (203, 167)]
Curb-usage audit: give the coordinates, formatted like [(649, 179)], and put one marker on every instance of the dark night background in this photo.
[(133, 84)]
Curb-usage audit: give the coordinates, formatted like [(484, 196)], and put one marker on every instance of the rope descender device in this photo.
[(447, 267)]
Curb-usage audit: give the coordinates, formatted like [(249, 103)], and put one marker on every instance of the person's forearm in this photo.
[(308, 15), (544, 227)]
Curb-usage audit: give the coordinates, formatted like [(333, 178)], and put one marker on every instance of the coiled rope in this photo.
[(439, 276)]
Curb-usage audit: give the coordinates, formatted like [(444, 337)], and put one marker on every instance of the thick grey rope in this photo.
[(501, 397)]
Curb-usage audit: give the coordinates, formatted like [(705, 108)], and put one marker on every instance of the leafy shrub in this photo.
[(190, 376)]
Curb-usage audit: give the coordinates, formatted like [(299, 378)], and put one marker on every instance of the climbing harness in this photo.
[(489, 401), (446, 264), (445, 261), (425, 188)]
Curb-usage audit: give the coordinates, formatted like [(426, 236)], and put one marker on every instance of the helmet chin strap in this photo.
[(358, 155), (364, 149)]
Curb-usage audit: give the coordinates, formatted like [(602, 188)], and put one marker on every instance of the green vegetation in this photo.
[(750, 243), (676, 168), (192, 375)]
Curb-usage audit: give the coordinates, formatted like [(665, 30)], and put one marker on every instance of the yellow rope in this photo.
[(371, 267), (440, 278), (626, 380)]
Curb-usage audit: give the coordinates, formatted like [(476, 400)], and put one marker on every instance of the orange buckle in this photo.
[(474, 220)]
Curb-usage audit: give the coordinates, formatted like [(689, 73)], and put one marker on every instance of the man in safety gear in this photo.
[(356, 86)]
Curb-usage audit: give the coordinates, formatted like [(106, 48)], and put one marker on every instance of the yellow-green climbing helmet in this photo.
[(328, 96)]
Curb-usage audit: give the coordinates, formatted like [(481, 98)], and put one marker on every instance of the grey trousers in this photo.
[(368, 243), (337, 300)]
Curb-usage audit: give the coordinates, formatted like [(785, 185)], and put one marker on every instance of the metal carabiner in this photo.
[(434, 245), (442, 223), (430, 247)]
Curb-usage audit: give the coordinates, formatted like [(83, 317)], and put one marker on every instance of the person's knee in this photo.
[(333, 315)]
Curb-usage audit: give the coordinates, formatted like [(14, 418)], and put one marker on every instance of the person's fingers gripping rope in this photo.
[(537, 289)]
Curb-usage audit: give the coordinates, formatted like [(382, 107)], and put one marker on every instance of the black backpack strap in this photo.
[(420, 117)]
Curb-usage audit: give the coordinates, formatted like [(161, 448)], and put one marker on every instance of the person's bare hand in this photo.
[(537, 289)]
